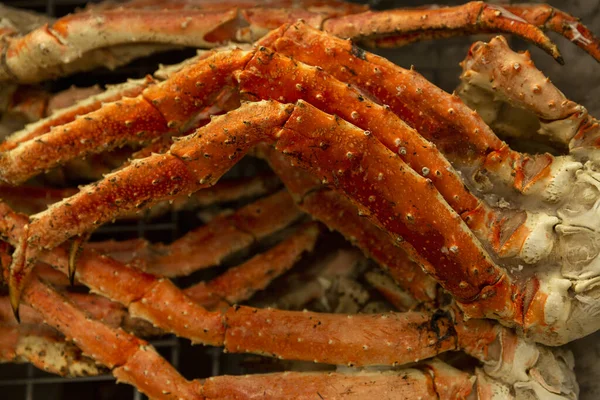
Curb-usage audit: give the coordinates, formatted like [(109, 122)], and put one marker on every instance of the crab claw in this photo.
[(74, 252), (18, 272)]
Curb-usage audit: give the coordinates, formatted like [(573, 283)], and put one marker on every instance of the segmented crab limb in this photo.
[(538, 107), (45, 349), (272, 76), (129, 119), (547, 17), (41, 53), (399, 27), (380, 339), (126, 355), (457, 131), (168, 105), (374, 177), (339, 214), (34, 199), (130, 89), (239, 283), (435, 380), (223, 235), (224, 191)]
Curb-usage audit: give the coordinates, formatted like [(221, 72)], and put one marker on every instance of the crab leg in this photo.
[(338, 213), (517, 361), (547, 17), (241, 282), (130, 89), (208, 245), (160, 108), (186, 168), (45, 349), (399, 27), (131, 360), (80, 40), (447, 382), (554, 116), (46, 49), (34, 199), (65, 114), (355, 340)]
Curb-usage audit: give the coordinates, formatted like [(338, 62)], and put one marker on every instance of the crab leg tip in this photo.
[(14, 303)]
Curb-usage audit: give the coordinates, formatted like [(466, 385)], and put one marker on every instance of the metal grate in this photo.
[(437, 61)]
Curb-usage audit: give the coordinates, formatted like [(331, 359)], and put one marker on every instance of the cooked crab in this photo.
[(345, 130)]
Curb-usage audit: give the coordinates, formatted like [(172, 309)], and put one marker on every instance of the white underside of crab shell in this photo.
[(563, 208)]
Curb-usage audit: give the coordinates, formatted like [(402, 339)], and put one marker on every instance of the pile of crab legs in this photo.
[(325, 114)]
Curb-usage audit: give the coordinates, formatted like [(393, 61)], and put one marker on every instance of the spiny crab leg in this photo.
[(433, 380), (142, 118), (186, 168), (34, 199), (131, 88), (339, 214), (458, 132), (65, 41), (44, 348), (132, 360), (64, 115), (547, 17), (33, 104), (239, 283), (155, 299), (224, 235), (404, 26), (492, 69)]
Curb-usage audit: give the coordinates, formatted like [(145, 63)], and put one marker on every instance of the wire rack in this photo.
[(438, 62)]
